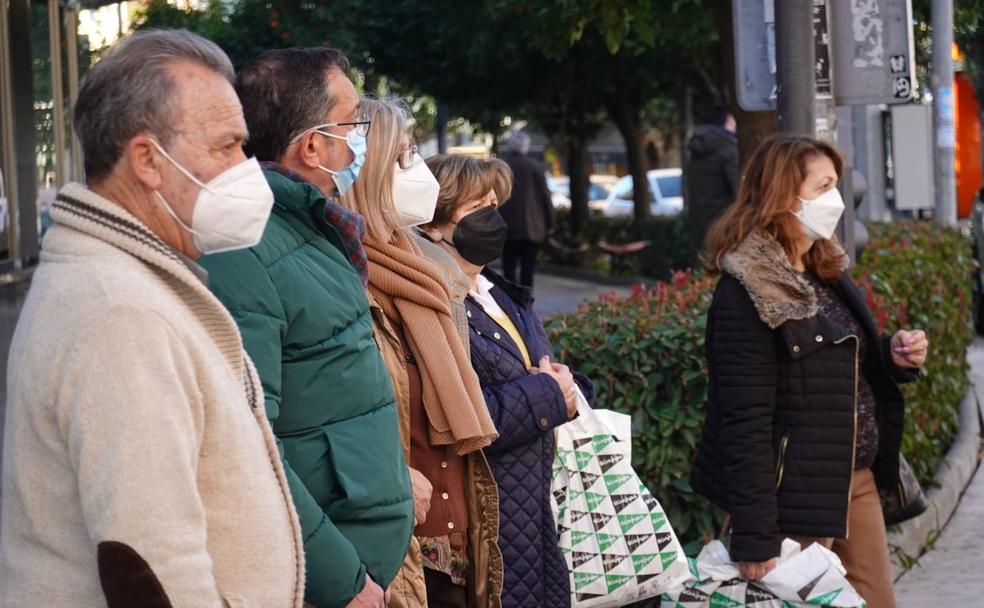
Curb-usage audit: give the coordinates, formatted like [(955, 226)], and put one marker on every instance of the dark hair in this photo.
[(766, 196), (716, 115), (129, 91), (284, 92)]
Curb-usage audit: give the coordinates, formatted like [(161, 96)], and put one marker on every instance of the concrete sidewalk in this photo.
[(556, 294), (951, 573)]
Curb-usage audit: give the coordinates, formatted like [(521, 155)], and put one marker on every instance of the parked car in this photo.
[(560, 189), (665, 194)]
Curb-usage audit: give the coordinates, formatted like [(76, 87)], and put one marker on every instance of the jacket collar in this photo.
[(517, 293), (303, 200), (779, 292), (80, 209)]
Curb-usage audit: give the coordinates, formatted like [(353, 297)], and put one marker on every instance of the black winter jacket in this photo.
[(712, 178), (778, 446), (529, 210)]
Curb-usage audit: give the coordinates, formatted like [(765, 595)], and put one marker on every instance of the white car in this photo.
[(665, 194), (560, 189)]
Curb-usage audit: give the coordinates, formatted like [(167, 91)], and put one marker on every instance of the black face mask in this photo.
[(480, 236)]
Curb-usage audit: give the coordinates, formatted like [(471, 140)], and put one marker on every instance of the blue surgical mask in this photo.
[(344, 178)]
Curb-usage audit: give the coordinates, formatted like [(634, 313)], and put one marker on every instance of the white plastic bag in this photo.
[(616, 539), (808, 578)]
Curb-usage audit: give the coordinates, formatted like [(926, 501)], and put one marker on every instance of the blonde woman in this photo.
[(444, 421)]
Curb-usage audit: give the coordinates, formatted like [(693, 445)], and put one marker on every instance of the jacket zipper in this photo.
[(781, 463), (854, 434)]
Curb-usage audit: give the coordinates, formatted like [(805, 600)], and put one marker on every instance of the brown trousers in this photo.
[(864, 552), (442, 593)]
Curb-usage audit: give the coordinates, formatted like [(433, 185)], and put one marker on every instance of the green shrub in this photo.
[(645, 354), (917, 275), (669, 247)]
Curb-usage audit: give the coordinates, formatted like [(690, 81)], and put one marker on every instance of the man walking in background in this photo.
[(712, 173), (528, 212)]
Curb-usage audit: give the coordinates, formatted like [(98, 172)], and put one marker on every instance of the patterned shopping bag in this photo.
[(619, 546)]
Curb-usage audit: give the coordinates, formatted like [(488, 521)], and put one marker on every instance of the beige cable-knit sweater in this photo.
[(138, 468)]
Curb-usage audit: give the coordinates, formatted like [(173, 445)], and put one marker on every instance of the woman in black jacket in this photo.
[(804, 416)]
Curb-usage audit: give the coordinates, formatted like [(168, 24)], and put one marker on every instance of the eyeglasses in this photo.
[(405, 159), (360, 126)]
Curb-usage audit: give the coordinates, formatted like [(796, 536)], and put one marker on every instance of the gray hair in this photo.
[(519, 142), (129, 91)]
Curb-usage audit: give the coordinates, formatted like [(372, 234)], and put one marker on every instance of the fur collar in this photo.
[(777, 290)]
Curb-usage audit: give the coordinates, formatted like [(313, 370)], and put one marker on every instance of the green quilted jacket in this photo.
[(305, 321)]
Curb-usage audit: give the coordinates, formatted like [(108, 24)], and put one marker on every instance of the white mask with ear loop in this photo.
[(820, 215), (232, 209), (415, 193)]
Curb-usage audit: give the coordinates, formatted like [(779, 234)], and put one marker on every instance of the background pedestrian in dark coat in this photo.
[(528, 211), (711, 173)]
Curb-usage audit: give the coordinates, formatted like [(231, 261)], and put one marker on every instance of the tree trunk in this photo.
[(753, 127), (577, 160), (628, 119)]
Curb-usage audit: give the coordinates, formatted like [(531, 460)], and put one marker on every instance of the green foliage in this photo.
[(645, 354), (668, 250), (916, 275), (246, 28)]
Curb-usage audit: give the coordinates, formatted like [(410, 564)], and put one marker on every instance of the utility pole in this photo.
[(795, 76), (942, 84)]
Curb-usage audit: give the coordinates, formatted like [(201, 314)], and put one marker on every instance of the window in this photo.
[(670, 186)]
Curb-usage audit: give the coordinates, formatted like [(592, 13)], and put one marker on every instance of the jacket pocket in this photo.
[(781, 459)]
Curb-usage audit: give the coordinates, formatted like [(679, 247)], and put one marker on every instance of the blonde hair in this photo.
[(464, 179), (372, 194)]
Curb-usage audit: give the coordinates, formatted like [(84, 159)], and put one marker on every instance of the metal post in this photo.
[(442, 128), (795, 77), (72, 42), (57, 90), (845, 231), (943, 119), (25, 251)]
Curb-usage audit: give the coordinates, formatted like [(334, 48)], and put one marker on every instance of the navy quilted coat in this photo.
[(526, 409)]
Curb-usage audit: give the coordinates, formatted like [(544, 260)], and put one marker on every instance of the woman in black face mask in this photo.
[(527, 392)]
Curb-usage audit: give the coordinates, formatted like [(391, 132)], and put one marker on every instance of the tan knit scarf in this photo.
[(409, 287)]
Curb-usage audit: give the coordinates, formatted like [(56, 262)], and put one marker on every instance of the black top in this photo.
[(529, 209), (866, 446)]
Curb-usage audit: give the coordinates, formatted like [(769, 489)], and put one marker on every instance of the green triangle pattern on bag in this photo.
[(627, 522), (614, 581), (824, 599), (668, 558), (583, 579), (613, 482), (601, 442), (605, 541), (639, 562)]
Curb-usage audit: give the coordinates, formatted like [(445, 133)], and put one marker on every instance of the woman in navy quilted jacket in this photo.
[(528, 393)]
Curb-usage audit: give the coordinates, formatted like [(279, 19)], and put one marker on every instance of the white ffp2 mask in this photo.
[(415, 193), (232, 209), (820, 215)]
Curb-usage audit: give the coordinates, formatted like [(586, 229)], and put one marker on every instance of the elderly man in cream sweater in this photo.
[(139, 469)]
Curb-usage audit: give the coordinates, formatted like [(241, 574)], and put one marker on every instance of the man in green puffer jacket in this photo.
[(299, 299)]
